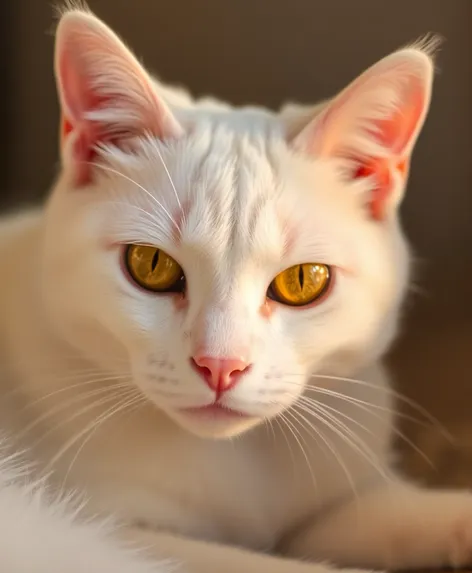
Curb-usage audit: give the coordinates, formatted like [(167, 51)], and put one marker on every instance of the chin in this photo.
[(214, 423)]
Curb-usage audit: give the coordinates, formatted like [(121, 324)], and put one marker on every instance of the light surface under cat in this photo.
[(191, 330)]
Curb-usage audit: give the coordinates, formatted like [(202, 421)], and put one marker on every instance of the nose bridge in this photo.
[(221, 329)]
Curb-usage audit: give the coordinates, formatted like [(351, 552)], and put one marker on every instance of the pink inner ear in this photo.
[(80, 99), (106, 95), (83, 149), (66, 128), (394, 133), (380, 171)]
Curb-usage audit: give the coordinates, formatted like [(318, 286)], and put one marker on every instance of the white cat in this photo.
[(202, 273)]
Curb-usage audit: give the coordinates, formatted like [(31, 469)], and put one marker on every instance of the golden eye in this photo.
[(154, 269), (300, 285)]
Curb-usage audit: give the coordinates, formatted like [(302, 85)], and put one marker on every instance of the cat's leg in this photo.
[(204, 557), (398, 526)]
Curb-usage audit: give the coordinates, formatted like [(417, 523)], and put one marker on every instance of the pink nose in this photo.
[(221, 374)]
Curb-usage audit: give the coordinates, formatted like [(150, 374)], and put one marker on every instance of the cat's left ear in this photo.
[(106, 96), (372, 125)]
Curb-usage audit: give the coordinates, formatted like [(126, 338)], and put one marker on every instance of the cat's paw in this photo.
[(443, 540), (461, 542), (448, 535), (360, 571)]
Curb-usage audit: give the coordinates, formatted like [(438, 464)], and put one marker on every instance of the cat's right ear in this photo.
[(371, 127), (105, 94)]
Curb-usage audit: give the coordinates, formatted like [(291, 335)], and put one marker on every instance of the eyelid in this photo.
[(168, 249)]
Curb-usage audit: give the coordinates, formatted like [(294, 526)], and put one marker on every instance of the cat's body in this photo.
[(231, 414), (141, 466)]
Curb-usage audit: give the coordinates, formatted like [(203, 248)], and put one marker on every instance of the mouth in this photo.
[(215, 412), (215, 421)]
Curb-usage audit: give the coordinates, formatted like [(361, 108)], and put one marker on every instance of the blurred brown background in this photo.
[(265, 51)]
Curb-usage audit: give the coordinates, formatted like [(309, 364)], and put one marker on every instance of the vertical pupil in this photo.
[(300, 276), (155, 260)]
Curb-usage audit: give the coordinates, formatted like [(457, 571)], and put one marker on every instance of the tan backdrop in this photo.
[(264, 51)]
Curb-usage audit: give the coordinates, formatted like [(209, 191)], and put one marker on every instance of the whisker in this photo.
[(268, 424), (78, 435), (92, 428), (352, 439), (295, 429), (394, 393), (74, 386), (131, 180), (287, 441), (158, 151), (364, 408), (152, 218), (395, 412), (59, 407), (84, 410), (331, 448), (64, 357), (72, 374), (310, 401), (420, 409)]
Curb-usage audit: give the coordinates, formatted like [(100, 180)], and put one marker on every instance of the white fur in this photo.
[(95, 372)]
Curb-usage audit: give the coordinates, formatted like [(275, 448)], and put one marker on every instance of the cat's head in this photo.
[(226, 256)]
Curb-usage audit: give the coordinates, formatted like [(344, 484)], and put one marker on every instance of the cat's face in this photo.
[(225, 207)]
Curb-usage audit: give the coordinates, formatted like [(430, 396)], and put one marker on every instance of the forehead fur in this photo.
[(231, 187)]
